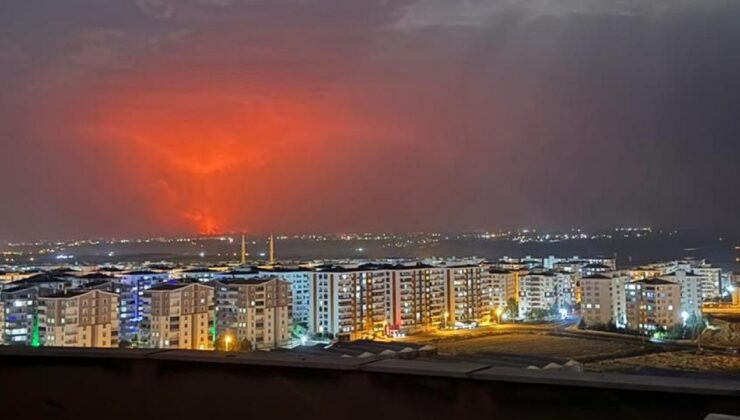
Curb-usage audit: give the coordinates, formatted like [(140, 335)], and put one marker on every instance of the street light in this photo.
[(227, 340), (499, 312)]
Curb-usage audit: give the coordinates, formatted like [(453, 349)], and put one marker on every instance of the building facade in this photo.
[(131, 287), (546, 291), (299, 280), (503, 287), (21, 314), (79, 318), (351, 303), (603, 299), (418, 298), (178, 316), (468, 292), (691, 291), (256, 310), (653, 305)]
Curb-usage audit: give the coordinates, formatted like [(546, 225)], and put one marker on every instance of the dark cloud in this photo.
[(157, 116)]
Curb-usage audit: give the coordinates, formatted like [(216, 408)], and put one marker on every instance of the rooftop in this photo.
[(655, 280)]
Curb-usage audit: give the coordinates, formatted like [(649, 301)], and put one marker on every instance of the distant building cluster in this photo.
[(261, 306)]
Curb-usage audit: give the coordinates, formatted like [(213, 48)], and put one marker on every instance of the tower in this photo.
[(244, 250), (272, 250)]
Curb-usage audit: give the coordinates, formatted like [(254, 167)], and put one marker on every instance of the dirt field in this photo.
[(539, 346), (674, 360)]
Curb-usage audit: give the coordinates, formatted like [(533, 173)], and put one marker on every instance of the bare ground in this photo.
[(539, 345), (680, 360)]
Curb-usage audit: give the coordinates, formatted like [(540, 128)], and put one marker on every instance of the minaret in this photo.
[(272, 250), (244, 249)]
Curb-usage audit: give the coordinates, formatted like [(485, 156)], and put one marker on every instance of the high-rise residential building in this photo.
[(503, 286), (711, 283), (467, 292), (131, 286), (178, 316), (254, 310), (21, 314), (603, 299), (79, 318), (417, 298), (691, 291), (299, 279), (653, 305), (350, 303), (546, 291)]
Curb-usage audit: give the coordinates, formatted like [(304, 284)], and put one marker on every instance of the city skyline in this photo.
[(171, 117)]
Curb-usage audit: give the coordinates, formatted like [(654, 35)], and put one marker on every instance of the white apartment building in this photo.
[(603, 299), (467, 293), (178, 316), (418, 297), (653, 305), (691, 291), (711, 280), (350, 303), (256, 310), (546, 290), (79, 318)]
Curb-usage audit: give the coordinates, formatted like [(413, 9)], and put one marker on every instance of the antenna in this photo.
[(272, 250), (244, 250)]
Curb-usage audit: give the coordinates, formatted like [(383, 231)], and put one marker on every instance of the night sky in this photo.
[(144, 117)]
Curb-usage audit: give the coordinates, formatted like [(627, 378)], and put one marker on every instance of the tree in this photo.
[(538, 314), (512, 308), (246, 345), (298, 330), (582, 324)]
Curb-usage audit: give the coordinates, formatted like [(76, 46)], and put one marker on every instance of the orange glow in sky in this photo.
[(201, 158)]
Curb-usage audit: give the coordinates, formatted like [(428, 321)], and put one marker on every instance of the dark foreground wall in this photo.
[(54, 384)]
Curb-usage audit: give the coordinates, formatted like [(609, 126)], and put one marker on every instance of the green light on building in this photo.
[(35, 341)]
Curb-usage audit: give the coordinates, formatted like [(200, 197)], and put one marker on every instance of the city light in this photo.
[(227, 341)]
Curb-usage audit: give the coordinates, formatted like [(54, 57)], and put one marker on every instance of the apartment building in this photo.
[(256, 310), (653, 304), (79, 318), (418, 298), (299, 279), (691, 291), (178, 316), (351, 302), (603, 299), (21, 314), (545, 291), (467, 292), (503, 286), (711, 280), (131, 286)]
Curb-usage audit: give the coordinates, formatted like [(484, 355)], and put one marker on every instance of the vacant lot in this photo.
[(674, 360), (539, 345)]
